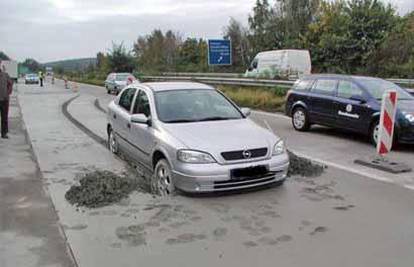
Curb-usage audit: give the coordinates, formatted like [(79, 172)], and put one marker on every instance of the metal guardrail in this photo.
[(223, 80), (234, 79), (203, 74)]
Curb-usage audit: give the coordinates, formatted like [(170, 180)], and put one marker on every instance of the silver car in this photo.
[(193, 138), (115, 82)]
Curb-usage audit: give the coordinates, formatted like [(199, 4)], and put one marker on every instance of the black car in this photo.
[(348, 102)]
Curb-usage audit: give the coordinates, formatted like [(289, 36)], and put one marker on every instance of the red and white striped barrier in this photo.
[(387, 122)]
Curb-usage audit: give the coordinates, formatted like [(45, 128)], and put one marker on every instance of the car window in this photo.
[(255, 63), (324, 87), (348, 89), (302, 85), (126, 98), (142, 104)]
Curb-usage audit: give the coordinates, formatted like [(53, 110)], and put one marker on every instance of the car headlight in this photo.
[(279, 148), (409, 117), (192, 156)]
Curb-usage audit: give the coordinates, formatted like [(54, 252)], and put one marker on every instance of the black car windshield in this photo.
[(377, 87), (183, 106)]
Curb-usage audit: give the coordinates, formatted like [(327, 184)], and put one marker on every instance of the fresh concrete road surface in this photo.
[(340, 218)]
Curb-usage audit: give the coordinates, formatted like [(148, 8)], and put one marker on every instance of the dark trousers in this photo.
[(41, 82), (4, 114)]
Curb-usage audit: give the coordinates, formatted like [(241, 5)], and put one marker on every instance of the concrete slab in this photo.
[(294, 225), (30, 234)]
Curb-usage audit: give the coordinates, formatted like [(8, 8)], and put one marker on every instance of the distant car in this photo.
[(115, 82), (194, 138), (31, 79), (348, 102)]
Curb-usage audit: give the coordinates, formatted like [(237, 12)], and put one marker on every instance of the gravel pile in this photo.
[(303, 167), (101, 188)]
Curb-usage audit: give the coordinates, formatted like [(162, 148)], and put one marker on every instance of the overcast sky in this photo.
[(49, 30)]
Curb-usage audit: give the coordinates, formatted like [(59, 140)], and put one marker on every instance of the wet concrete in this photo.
[(336, 219), (30, 234)]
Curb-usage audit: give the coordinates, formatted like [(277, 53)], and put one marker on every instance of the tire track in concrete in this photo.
[(79, 125)]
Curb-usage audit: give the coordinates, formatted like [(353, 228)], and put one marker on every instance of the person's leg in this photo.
[(3, 118), (6, 116)]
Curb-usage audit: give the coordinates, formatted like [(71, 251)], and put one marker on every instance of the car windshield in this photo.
[(31, 75), (184, 106), (121, 77), (377, 87)]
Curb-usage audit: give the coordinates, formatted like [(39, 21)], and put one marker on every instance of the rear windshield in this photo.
[(122, 77)]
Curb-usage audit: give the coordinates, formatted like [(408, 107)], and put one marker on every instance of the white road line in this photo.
[(347, 168), (277, 115)]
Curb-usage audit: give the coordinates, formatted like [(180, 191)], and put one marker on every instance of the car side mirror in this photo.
[(246, 111), (359, 99), (140, 119)]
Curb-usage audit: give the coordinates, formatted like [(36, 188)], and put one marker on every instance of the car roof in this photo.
[(338, 76), (169, 86)]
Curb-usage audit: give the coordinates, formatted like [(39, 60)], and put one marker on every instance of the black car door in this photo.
[(321, 100), (351, 109)]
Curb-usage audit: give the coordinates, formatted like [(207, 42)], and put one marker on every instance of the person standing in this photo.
[(6, 86), (41, 78)]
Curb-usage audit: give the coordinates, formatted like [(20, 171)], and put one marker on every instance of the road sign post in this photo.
[(387, 122), (385, 138), (219, 53)]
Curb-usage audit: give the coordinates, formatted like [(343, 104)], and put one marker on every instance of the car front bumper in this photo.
[(31, 81), (200, 178), (405, 134)]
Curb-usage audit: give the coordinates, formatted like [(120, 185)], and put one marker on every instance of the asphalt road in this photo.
[(338, 219), (330, 146)]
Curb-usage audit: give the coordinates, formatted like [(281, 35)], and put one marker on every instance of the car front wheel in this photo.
[(300, 119), (162, 182)]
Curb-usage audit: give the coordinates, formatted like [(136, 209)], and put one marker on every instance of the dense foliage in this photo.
[(343, 36)]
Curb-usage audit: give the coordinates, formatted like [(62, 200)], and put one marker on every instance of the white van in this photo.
[(290, 63)]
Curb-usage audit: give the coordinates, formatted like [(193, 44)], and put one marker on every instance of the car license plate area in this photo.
[(248, 173)]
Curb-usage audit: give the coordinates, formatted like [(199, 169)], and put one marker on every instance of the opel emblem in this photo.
[(247, 154), (349, 108)]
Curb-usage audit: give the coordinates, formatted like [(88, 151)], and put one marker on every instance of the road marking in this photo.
[(271, 114), (329, 163), (346, 168)]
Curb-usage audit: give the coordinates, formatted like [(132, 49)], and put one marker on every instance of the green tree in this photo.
[(240, 43), (119, 59), (3, 56), (346, 34), (261, 35), (32, 65)]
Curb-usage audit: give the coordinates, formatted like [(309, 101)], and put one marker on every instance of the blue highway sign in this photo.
[(219, 52)]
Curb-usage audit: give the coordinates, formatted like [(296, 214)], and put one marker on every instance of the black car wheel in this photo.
[(300, 119), (374, 132)]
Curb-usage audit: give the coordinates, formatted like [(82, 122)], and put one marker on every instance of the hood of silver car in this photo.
[(216, 137)]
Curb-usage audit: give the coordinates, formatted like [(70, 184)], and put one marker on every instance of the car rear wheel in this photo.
[(162, 182), (112, 142), (300, 119)]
